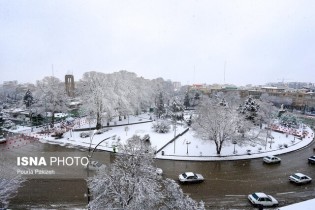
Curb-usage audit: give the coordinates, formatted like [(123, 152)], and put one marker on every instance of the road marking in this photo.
[(284, 193), (235, 195)]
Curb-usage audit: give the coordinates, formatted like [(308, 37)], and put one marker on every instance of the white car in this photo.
[(271, 159), (311, 159), (190, 177), (261, 199), (84, 134), (2, 139), (159, 171), (300, 178)]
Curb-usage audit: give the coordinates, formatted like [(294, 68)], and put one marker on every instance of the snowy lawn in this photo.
[(205, 150), (186, 147)]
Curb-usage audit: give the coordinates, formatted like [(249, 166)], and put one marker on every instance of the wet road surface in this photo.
[(226, 185)]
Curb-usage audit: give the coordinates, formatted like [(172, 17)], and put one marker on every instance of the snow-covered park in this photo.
[(186, 147)]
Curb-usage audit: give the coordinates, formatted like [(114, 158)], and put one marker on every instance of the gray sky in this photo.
[(186, 41)]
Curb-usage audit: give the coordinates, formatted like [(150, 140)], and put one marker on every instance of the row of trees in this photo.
[(121, 93), (103, 95)]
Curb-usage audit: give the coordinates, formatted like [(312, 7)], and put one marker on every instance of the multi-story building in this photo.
[(293, 98), (177, 85)]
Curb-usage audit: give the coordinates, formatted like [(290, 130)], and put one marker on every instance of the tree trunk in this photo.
[(53, 119), (218, 147), (98, 121)]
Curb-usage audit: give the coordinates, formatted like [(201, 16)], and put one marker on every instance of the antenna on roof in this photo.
[(52, 70), (224, 72)]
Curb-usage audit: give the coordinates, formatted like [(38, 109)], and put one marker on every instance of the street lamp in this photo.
[(91, 153), (89, 156), (174, 128), (91, 139), (271, 141), (187, 143), (87, 171), (234, 142)]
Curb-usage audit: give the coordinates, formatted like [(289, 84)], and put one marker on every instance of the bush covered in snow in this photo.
[(161, 126)]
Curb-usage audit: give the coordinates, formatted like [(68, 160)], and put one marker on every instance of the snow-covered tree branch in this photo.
[(52, 95), (215, 122), (131, 182)]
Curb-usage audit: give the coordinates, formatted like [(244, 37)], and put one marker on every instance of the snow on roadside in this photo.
[(199, 150)]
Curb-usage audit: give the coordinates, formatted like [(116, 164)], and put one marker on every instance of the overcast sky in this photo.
[(190, 41)]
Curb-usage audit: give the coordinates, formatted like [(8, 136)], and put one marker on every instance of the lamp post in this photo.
[(31, 118), (271, 141), (187, 143), (92, 152), (234, 142), (89, 156), (87, 171)]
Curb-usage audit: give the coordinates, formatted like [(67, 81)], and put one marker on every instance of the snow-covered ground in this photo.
[(186, 147)]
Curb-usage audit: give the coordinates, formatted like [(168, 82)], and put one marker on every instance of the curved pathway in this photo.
[(167, 151)]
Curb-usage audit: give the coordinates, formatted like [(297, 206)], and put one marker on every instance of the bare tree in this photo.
[(52, 95), (215, 122), (131, 182), (267, 111), (97, 91)]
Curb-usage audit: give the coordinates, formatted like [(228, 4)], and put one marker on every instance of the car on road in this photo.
[(271, 159), (311, 159), (300, 178), (159, 171), (84, 134), (190, 177), (261, 199)]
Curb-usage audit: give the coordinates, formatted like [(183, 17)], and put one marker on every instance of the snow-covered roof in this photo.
[(305, 205), (272, 88), (299, 174), (74, 103)]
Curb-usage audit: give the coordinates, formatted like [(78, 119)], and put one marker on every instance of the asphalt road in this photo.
[(226, 185)]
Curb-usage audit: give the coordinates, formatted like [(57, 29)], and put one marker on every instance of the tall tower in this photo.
[(69, 82)]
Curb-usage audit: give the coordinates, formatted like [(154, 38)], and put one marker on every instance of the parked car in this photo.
[(261, 199), (102, 130), (190, 177), (57, 135), (159, 171), (311, 159), (84, 134), (8, 124), (2, 139), (271, 159), (300, 178)]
